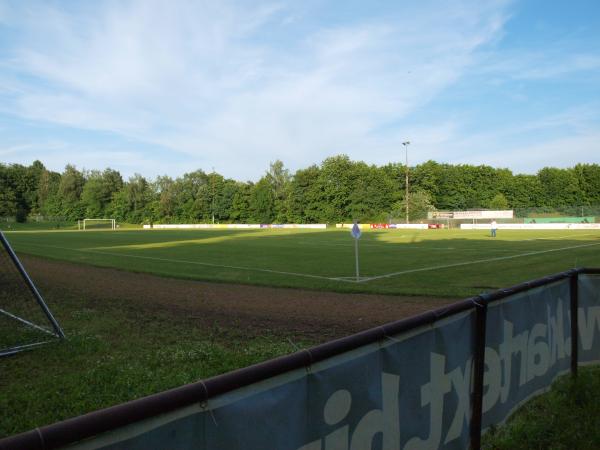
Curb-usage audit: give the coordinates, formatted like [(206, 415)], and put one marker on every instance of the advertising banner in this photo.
[(380, 225), (589, 319), (407, 392), (409, 226), (528, 345), (483, 214)]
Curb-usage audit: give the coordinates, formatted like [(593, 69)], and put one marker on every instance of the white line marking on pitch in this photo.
[(425, 269), (198, 263), (378, 245), (552, 238)]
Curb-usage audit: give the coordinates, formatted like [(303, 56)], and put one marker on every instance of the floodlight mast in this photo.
[(406, 144), (212, 206)]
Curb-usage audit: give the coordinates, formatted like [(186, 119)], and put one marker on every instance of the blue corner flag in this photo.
[(356, 231)]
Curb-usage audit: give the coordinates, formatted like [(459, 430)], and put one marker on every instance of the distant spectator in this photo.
[(494, 227)]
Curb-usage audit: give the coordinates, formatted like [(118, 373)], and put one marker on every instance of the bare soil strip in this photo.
[(248, 309)]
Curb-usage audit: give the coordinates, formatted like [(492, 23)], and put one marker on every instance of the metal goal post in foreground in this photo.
[(25, 319)]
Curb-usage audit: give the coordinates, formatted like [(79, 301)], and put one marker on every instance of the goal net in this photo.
[(25, 319), (97, 224)]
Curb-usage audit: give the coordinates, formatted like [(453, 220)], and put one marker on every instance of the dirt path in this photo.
[(250, 309)]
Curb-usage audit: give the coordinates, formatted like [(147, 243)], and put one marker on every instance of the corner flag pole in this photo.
[(356, 235), (356, 253)]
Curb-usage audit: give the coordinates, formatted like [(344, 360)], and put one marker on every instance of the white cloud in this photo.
[(14, 150), (527, 147), (531, 158), (202, 78), (532, 66)]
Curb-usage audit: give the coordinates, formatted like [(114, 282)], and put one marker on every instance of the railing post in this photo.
[(478, 370), (574, 291)]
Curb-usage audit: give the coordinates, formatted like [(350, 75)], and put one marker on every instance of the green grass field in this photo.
[(117, 351), (450, 263)]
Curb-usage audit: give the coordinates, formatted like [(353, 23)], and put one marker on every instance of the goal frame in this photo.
[(81, 224), (57, 330)]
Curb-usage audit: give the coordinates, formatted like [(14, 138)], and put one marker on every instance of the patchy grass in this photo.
[(566, 418), (115, 353)]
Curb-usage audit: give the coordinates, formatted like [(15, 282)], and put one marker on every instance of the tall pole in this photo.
[(212, 207), (406, 144)]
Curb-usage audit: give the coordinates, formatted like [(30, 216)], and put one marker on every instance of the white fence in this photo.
[(180, 226), (532, 226)]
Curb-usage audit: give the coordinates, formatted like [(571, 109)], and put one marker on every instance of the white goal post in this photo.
[(85, 223)]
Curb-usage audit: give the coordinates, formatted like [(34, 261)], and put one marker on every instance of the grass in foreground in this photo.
[(447, 263), (567, 417), (114, 353), (117, 352)]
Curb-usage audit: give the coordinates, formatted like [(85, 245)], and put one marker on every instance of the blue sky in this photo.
[(167, 87)]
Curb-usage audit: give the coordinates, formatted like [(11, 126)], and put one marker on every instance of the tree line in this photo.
[(337, 190)]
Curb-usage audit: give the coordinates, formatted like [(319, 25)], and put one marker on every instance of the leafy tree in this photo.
[(333, 189), (98, 191), (261, 204), (240, 202), (429, 177), (218, 201), (131, 202), (69, 191), (48, 201), (8, 198), (337, 190), (303, 196), (224, 201), (560, 187), (164, 204), (588, 178), (525, 191), (419, 204), (279, 178), (22, 183), (499, 202), (373, 194), (191, 196)]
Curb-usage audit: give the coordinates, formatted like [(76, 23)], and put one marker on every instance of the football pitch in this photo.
[(449, 263)]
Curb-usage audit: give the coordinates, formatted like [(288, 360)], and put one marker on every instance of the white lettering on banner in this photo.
[(556, 334), (492, 379), (538, 352), (432, 394), (535, 351), (587, 326), (385, 420), (461, 380)]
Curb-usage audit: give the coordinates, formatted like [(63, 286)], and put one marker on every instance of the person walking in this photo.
[(494, 227)]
